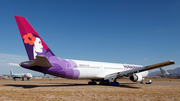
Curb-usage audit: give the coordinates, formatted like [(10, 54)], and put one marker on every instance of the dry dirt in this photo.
[(78, 90)]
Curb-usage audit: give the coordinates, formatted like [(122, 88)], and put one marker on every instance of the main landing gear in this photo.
[(104, 82), (115, 83), (14, 79), (92, 82), (22, 79), (28, 79)]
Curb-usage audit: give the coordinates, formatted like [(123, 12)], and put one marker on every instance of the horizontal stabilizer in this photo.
[(41, 61), (13, 64)]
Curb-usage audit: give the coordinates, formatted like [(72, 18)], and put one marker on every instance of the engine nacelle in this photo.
[(136, 77)]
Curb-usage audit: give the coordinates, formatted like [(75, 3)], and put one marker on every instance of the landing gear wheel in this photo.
[(114, 84), (104, 82), (92, 82)]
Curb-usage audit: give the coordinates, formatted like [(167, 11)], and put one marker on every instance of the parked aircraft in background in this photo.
[(20, 75), (42, 59), (166, 74)]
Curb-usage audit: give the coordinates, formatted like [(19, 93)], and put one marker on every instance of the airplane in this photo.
[(43, 60), (20, 75), (166, 74)]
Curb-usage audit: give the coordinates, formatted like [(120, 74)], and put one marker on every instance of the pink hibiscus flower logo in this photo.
[(29, 39)]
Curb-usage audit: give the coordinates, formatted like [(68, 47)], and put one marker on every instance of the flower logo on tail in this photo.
[(29, 39)]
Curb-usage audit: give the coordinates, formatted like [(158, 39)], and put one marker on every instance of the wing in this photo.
[(136, 70)]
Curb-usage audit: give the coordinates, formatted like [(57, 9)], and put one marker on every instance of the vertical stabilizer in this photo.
[(164, 72), (11, 72), (32, 41)]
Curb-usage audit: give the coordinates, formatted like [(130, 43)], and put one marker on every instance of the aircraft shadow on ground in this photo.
[(68, 84)]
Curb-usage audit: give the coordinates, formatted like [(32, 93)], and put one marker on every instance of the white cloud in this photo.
[(145, 59), (175, 53)]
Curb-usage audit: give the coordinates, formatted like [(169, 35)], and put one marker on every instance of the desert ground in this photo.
[(78, 90)]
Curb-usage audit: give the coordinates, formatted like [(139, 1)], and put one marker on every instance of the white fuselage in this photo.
[(98, 70), (22, 75)]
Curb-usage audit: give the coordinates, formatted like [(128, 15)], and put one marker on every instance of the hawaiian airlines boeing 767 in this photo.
[(42, 59)]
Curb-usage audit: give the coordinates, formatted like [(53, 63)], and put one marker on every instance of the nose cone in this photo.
[(25, 64)]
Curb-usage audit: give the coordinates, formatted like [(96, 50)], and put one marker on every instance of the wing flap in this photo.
[(41, 61)]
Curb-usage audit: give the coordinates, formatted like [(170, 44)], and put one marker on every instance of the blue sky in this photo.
[(140, 32)]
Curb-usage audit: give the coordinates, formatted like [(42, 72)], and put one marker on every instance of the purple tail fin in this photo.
[(35, 46), (32, 41)]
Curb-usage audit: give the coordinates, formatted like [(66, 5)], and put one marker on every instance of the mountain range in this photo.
[(175, 71)]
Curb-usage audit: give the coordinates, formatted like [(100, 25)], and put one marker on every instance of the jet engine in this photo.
[(136, 77)]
